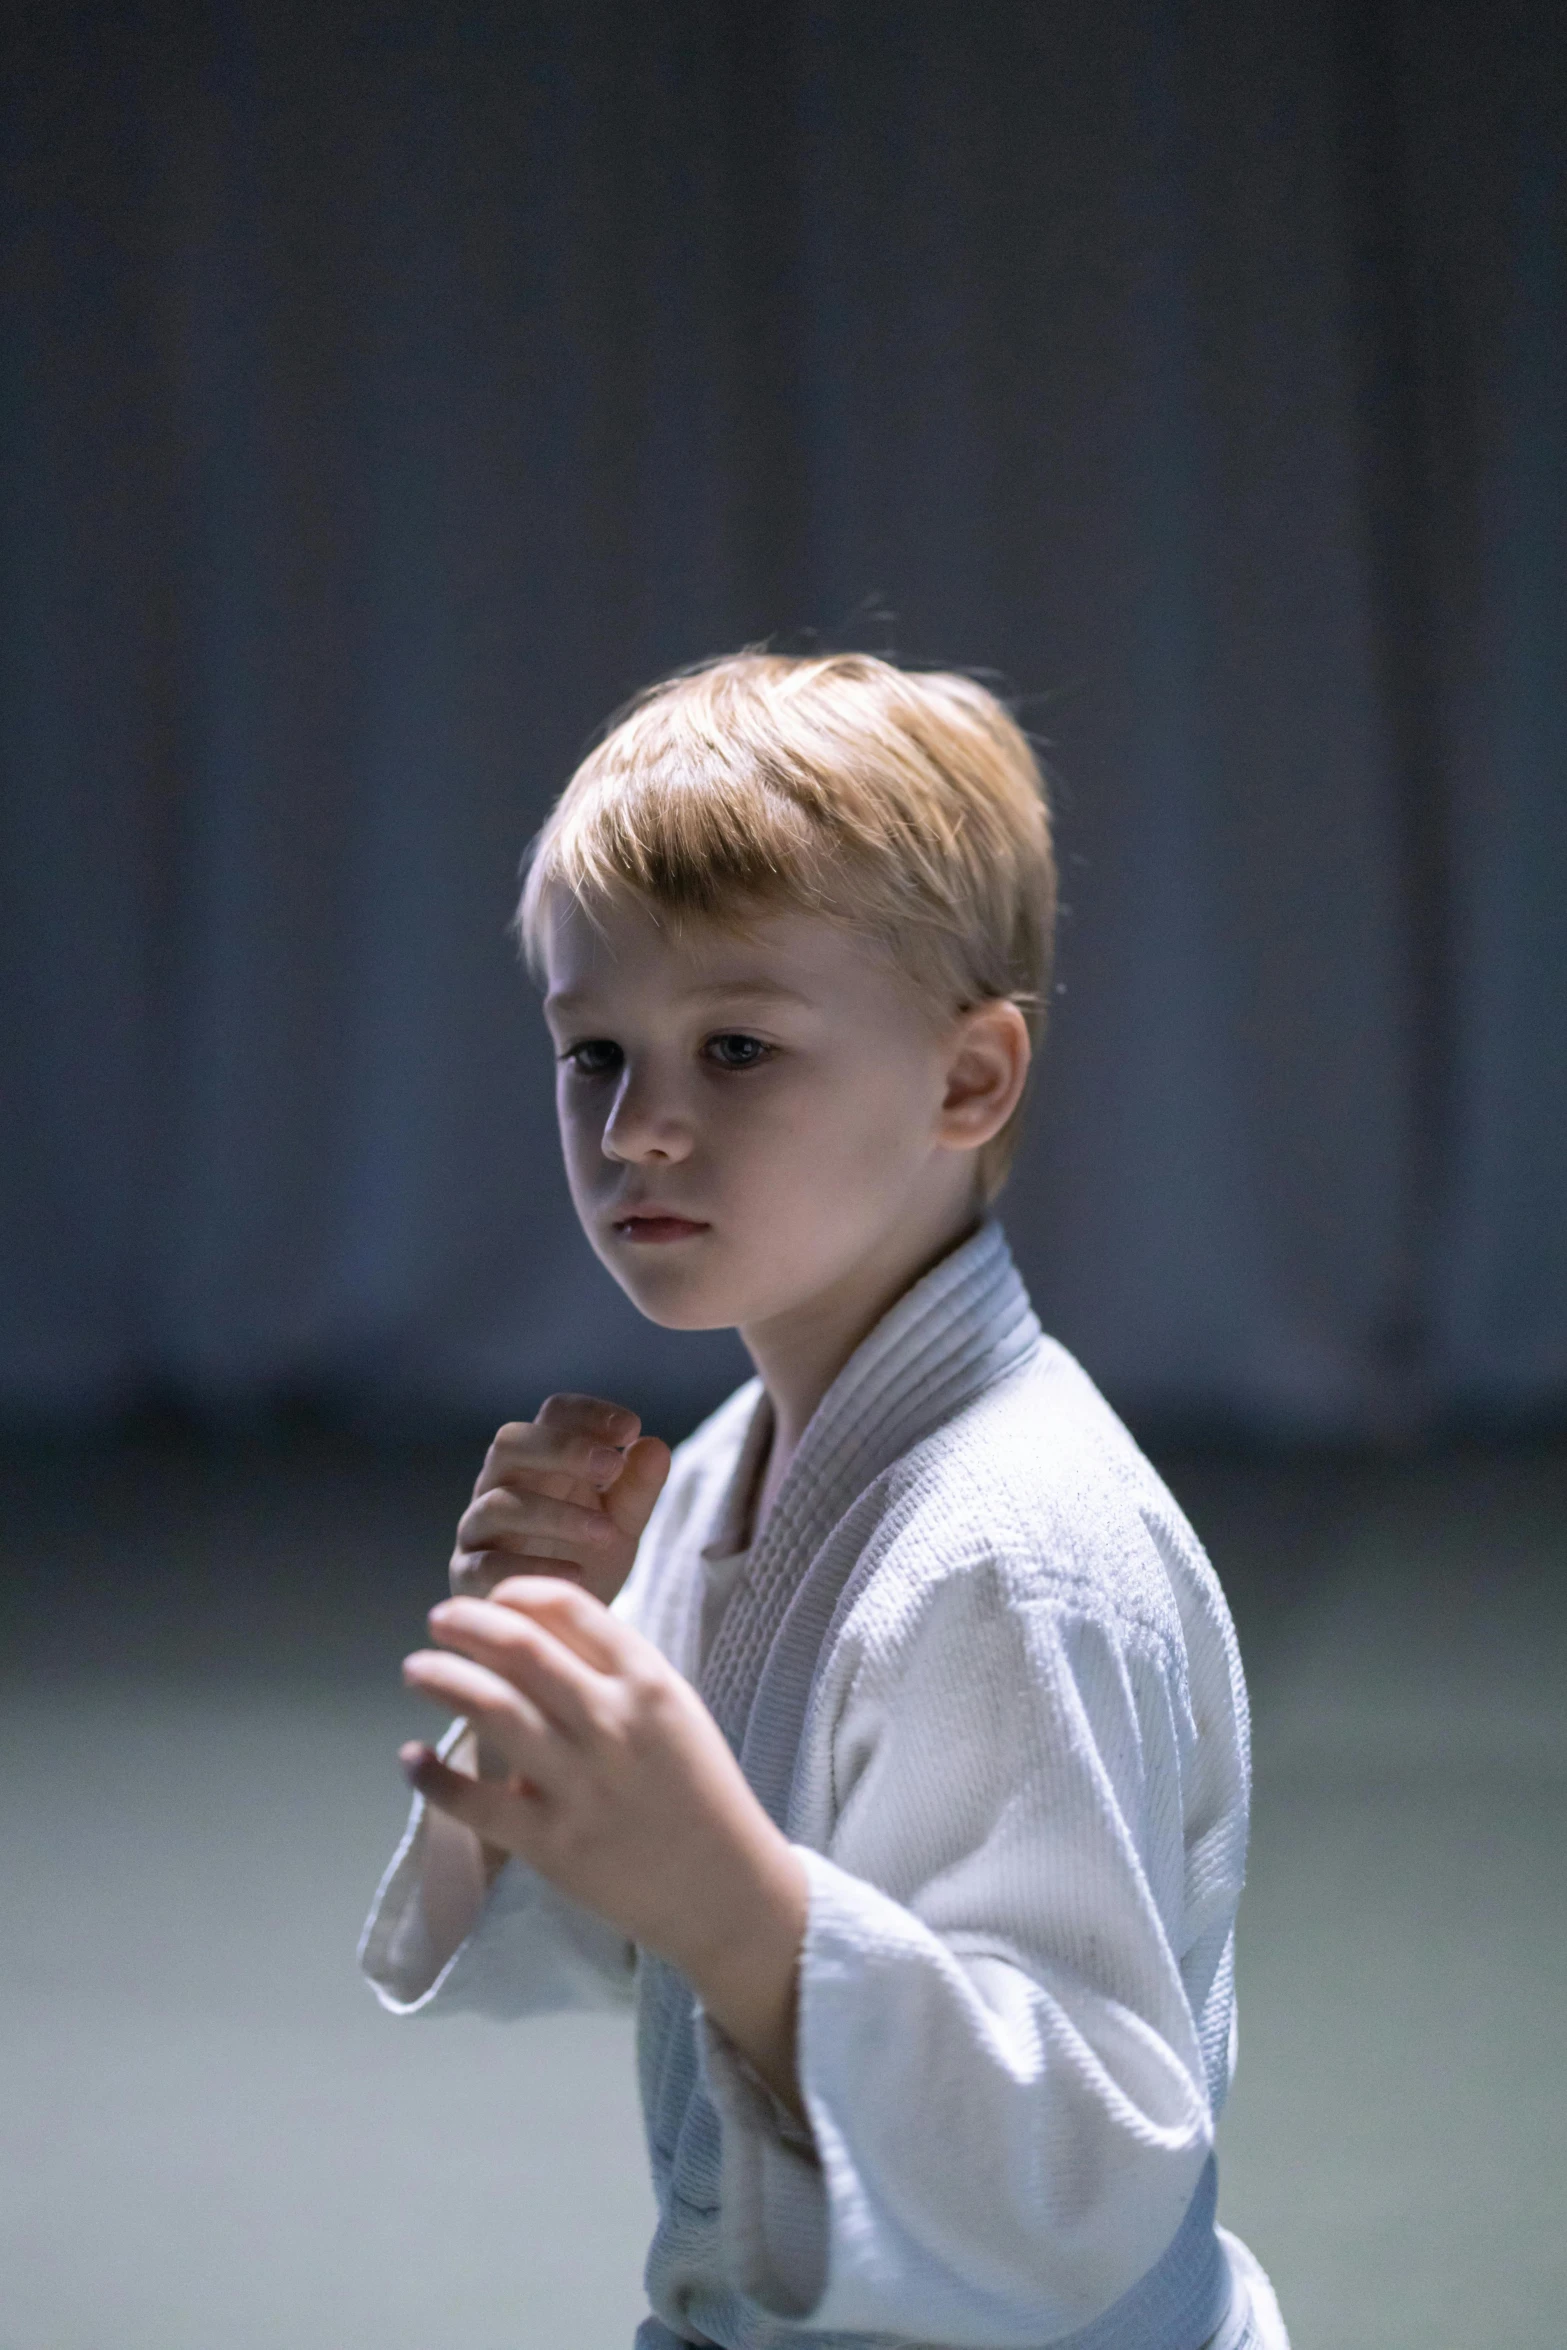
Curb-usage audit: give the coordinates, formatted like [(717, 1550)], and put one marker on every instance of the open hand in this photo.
[(566, 1495), (621, 1789)]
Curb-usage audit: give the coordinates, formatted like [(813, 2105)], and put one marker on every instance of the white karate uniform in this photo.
[(979, 1670)]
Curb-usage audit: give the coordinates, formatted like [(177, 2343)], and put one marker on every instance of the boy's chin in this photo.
[(675, 1304)]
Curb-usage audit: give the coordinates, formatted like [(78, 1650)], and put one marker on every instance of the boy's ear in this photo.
[(986, 1073)]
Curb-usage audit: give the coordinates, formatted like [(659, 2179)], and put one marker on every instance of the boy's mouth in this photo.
[(645, 1226)]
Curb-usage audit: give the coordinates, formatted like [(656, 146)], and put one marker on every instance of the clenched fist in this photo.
[(567, 1495)]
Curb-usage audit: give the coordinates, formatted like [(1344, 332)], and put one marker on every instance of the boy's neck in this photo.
[(799, 1354)]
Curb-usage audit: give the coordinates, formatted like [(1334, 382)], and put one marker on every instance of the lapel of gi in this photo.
[(959, 1329)]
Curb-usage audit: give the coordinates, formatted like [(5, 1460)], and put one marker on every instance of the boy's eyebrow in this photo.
[(568, 999), (770, 989)]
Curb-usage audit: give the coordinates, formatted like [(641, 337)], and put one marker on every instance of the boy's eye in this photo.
[(595, 1056), (732, 1050)]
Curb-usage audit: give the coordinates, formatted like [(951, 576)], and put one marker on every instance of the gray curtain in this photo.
[(387, 391)]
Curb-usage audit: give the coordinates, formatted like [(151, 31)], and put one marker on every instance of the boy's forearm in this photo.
[(747, 1973), (459, 1867)]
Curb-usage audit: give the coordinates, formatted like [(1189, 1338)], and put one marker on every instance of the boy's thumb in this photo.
[(630, 1499)]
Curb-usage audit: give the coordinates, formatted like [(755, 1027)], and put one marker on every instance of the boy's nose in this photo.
[(645, 1125)]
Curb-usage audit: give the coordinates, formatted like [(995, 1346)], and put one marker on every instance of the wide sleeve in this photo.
[(1007, 2100), (524, 1949)]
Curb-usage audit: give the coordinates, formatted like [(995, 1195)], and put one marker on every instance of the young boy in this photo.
[(889, 1744)]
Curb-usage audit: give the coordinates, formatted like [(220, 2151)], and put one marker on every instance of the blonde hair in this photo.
[(907, 804)]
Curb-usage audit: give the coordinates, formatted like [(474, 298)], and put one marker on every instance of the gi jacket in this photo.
[(980, 1672)]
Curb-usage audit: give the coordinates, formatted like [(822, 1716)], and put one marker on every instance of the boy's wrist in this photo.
[(460, 1748), (747, 1975)]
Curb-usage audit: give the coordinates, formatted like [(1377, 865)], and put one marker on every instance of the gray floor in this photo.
[(213, 2140)]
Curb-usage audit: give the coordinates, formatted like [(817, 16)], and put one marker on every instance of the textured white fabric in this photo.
[(979, 1669), (1255, 2322)]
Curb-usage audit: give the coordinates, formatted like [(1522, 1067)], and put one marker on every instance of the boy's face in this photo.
[(750, 1120)]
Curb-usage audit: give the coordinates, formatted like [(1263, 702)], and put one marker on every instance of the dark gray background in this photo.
[(387, 391)]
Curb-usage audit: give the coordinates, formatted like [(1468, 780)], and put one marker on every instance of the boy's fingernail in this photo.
[(604, 1464), (624, 1423), (413, 1759)]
